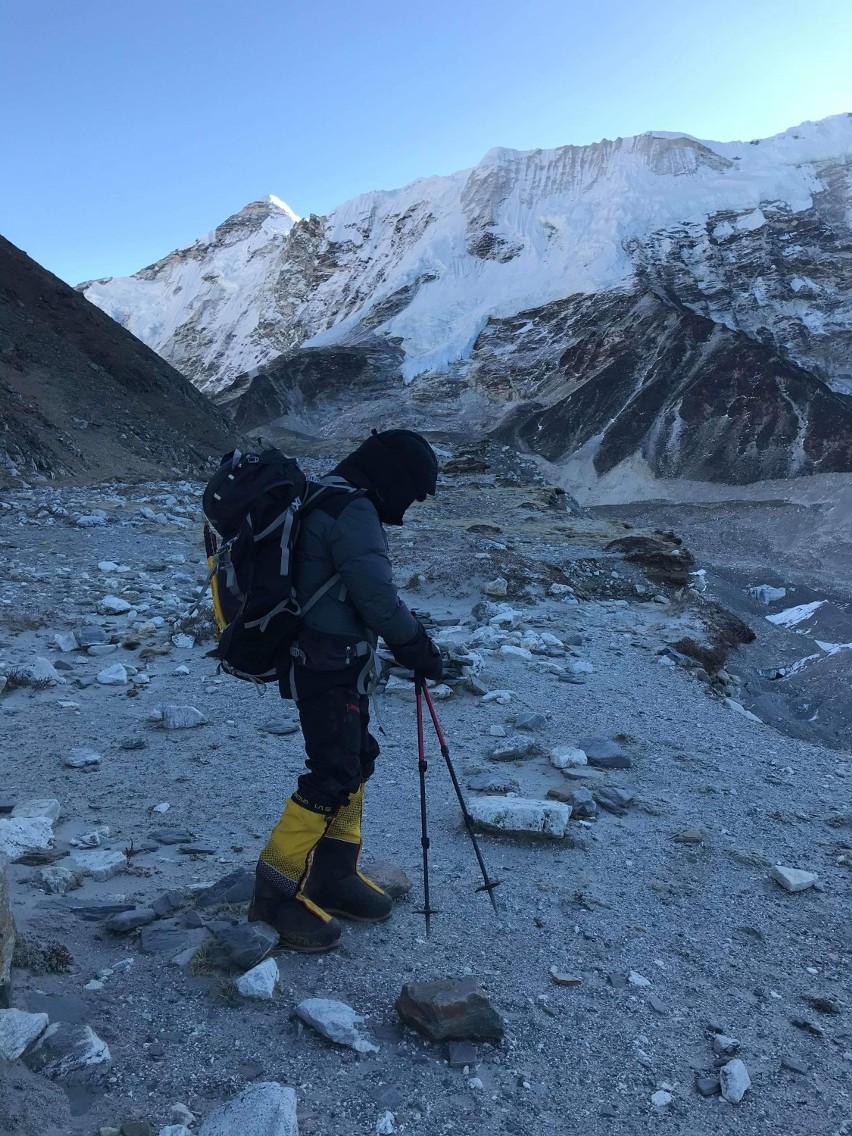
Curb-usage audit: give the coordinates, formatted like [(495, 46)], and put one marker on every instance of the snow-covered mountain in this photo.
[(398, 298)]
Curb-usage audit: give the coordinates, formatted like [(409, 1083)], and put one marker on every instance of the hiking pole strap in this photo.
[(488, 884)]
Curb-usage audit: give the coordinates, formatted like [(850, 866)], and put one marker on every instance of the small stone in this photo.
[(636, 979), (180, 1114), (583, 805), (808, 1026), (70, 1052), (793, 879), (794, 1065), (690, 836), (708, 1084), (47, 807), (498, 587), (171, 836), (567, 757), (65, 641), (493, 783), (724, 1046), (262, 1109), (531, 722), (386, 1124), (177, 717), (513, 749), (116, 675), (390, 877), (613, 800), (259, 982), (113, 605), (603, 753), (461, 1054), (661, 1099), (82, 758), (496, 731), (617, 980), (99, 865), (163, 940), (174, 1130), (18, 1030), (163, 807), (657, 1004), (90, 636), (450, 1008), (127, 921), (562, 978), (735, 1081), (236, 888), (58, 880), (243, 946), (335, 1021), (278, 728)]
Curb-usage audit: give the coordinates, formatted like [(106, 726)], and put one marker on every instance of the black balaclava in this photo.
[(396, 467)]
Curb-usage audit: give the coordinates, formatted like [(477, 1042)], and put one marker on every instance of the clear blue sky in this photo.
[(130, 127)]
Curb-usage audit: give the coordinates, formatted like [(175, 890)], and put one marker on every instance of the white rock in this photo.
[(260, 981), (163, 807), (177, 717), (175, 1130), (183, 669), (735, 1081), (441, 692), (116, 675), (180, 1114), (65, 641), (107, 566), (183, 640), (18, 1030), (336, 1021), (99, 865), (386, 1124), (19, 835), (47, 807), (793, 879), (42, 670), (401, 687), (518, 652), (579, 667), (81, 757), (636, 979), (567, 757), (520, 815), (497, 587), (263, 1109), (503, 697), (560, 590), (113, 605), (661, 1099)]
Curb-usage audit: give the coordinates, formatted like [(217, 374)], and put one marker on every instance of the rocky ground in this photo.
[(645, 940)]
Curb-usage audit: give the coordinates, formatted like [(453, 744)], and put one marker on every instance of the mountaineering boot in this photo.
[(334, 881), (283, 865)]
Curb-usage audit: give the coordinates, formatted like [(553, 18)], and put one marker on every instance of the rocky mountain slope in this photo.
[(80, 397), (647, 956), (487, 292)]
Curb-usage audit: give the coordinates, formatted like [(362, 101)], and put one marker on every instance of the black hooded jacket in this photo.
[(395, 469)]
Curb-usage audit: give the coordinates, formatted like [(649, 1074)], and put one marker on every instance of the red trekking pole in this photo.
[(422, 691)]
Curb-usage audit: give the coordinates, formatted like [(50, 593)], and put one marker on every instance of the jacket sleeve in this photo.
[(359, 552)]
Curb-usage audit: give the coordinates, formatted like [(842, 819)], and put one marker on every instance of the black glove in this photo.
[(420, 654)]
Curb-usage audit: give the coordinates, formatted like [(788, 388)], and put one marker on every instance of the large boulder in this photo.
[(7, 935), (263, 1109)]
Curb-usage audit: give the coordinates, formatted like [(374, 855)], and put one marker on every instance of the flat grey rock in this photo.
[(520, 816), (236, 888), (7, 935), (263, 1109), (243, 946), (735, 1081), (127, 921), (163, 940), (22, 835)]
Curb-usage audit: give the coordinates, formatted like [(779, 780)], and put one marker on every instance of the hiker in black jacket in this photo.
[(308, 870)]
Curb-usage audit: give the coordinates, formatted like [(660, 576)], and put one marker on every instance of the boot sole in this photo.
[(305, 950), (358, 918)]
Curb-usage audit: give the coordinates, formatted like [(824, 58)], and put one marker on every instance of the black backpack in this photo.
[(253, 506)]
